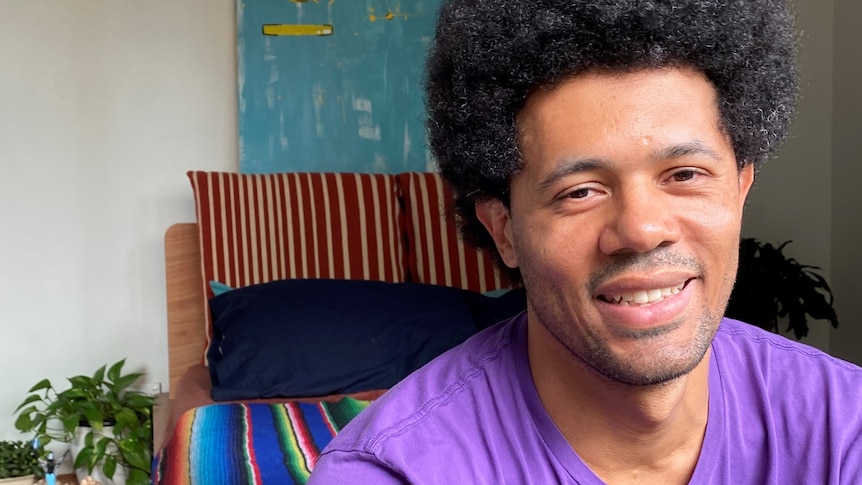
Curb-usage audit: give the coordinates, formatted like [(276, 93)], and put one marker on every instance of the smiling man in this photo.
[(604, 151)]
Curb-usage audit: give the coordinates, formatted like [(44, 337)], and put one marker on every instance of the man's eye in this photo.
[(683, 175), (579, 193)]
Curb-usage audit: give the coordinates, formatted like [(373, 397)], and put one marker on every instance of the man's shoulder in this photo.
[(440, 396), (781, 394), (772, 356)]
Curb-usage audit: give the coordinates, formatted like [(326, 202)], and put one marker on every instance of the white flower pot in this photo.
[(25, 480), (77, 444)]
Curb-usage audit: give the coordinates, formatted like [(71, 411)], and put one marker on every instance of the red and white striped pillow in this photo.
[(436, 253), (256, 228)]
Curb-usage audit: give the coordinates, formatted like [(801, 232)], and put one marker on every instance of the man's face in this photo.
[(625, 220)]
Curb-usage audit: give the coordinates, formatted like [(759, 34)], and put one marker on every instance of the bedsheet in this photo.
[(250, 443)]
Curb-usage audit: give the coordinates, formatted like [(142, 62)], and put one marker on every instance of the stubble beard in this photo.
[(666, 365), (656, 362)]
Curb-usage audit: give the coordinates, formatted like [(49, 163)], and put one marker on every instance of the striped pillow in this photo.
[(256, 228), (436, 254)]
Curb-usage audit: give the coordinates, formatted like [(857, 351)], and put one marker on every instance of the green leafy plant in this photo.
[(96, 402), (771, 287), (18, 459)]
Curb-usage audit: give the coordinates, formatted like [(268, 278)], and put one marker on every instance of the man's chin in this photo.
[(645, 334), (653, 377), (657, 359)]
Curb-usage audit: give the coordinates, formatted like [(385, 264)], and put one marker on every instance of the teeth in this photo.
[(646, 296)]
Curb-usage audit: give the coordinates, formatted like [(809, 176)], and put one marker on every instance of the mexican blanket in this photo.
[(250, 443)]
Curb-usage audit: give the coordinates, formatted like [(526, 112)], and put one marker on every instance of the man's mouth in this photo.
[(643, 297)]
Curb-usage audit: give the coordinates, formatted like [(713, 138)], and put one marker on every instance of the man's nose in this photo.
[(639, 221)]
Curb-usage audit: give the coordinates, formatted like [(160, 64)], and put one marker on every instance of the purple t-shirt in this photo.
[(779, 413)]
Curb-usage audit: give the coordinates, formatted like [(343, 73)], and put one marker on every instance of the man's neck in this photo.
[(624, 433)]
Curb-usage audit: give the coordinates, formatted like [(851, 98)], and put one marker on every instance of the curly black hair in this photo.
[(489, 55)]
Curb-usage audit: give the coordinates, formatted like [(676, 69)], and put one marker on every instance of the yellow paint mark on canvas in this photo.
[(297, 29), (389, 15)]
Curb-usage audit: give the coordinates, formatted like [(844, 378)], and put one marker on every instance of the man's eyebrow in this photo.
[(696, 147), (571, 167), (568, 167)]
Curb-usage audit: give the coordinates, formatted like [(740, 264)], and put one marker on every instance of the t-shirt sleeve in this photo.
[(343, 467)]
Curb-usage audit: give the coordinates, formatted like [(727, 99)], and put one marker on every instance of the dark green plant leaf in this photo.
[(43, 384), (99, 375), (138, 400), (127, 419), (83, 458), (94, 417), (771, 286), (75, 393), (115, 371), (123, 382), (29, 400), (137, 458), (138, 477), (109, 467), (821, 281), (100, 449), (70, 422), (23, 422), (82, 382)]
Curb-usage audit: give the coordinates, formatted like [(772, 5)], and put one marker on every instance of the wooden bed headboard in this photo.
[(185, 300)]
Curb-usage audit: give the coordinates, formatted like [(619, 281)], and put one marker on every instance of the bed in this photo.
[(297, 299)]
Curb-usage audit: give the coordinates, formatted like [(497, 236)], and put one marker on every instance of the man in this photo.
[(604, 149)]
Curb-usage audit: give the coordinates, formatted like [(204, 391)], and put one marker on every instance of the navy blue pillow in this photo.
[(299, 338), (488, 310)]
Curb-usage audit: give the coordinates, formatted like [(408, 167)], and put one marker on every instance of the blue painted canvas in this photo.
[(333, 85)]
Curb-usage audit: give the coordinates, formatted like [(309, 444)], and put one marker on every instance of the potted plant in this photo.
[(108, 424), (771, 287), (19, 463)]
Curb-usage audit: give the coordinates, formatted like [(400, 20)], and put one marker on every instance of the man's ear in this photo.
[(746, 180), (494, 215)]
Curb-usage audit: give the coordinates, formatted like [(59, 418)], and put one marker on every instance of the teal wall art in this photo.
[(332, 85)]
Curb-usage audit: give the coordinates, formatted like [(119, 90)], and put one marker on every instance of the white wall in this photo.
[(791, 199), (811, 194), (103, 107), (846, 178)]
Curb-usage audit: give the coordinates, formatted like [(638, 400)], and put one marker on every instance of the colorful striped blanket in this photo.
[(242, 443)]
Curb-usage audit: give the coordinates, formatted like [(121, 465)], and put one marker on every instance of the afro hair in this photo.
[(489, 55)]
